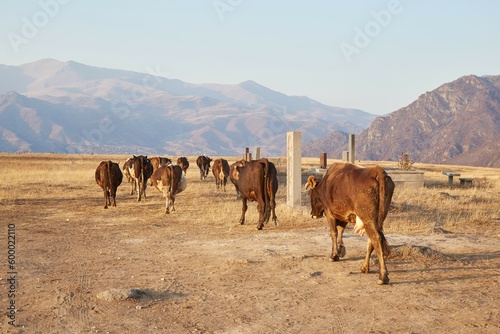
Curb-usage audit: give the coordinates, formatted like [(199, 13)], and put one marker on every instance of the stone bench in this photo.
[(450, 176), (467, 182)]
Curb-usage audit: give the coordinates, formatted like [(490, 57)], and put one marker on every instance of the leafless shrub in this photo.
[(404, 162)]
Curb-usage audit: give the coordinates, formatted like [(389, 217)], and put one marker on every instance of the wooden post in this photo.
[(352, 157), (293, 168), (322, 160)]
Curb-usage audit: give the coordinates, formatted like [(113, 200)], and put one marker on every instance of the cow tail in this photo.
[(383, 208), (267, 187), (171, 176), (107, 176), (141, 175)]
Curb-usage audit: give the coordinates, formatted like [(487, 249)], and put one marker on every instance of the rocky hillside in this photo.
[(457, 123)]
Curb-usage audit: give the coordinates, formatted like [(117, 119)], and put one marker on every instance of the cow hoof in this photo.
[(383, 281), (341, 251), (334, 258), (364, 269), (260, 227)]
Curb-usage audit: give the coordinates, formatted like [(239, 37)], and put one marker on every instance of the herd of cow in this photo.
[(347, 193)]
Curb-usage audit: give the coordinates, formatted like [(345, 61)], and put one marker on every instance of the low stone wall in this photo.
[(412, 178), (303, 177)]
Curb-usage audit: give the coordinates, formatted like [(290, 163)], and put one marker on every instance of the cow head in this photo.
[(317, 209)]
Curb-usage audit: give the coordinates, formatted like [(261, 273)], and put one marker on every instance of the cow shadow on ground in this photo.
[(454, 263), (456, 278)]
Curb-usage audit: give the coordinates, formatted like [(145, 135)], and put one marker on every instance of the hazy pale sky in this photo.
[(377, 56)]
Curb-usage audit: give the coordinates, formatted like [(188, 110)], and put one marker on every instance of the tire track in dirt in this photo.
[(73, 301), (340, 321)]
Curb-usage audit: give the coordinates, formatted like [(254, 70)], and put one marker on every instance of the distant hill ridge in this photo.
[(53, 106)]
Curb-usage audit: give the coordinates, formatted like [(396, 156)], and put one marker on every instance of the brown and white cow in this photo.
[(169, 180), (220, 169), (203, 163), (361, 196), (158, 162), (126, 165), (257, 181), (183, 163), (140, 170), (108, 176)]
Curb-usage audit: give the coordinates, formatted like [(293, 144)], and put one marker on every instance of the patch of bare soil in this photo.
[(133, 269)]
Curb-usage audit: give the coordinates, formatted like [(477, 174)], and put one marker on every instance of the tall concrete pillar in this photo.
[(293, 168), (352, 144)]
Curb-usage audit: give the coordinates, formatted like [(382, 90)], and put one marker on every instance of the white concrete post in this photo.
[(293, 168), (257, 153), (352, 157)]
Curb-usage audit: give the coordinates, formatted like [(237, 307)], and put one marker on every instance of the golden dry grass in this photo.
[(25, 177)]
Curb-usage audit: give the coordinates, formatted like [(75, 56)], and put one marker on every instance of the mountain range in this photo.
[(457, 123), (53, 106), (69, 107)]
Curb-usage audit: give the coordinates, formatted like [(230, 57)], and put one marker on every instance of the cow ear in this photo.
[(311, 182)]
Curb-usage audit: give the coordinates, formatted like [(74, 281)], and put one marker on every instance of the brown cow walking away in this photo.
[(203, 163), (108, 176), (361, 196), (257, 181), (220, 169), (183, 163), (170, 181)]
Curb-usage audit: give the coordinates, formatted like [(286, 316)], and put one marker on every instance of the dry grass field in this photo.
[(198, 271)]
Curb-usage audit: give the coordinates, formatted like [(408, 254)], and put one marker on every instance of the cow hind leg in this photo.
[(378, 243), (172, 203), (105, 199), (273, 212), (167, 204), (263, 214), (113, 195), (340, 229), (332, 222), (243, 210), (365, 266)]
